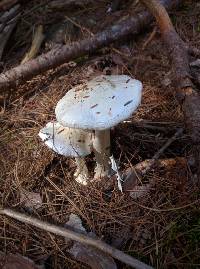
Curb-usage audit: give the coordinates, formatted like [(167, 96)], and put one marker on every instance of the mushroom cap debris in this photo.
[(66, 141), (100, 103)]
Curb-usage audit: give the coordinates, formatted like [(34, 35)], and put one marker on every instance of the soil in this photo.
[(161, 228)]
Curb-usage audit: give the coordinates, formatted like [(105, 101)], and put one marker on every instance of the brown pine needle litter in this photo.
[(162, 228)]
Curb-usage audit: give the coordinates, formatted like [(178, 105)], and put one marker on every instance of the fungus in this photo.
[(98, 105), (70, 143)]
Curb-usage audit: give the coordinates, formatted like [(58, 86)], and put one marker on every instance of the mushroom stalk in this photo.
[(101, 147), (81, 174)]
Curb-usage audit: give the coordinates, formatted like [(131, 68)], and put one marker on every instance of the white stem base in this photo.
[(100, 172), (81, 174), (101, 147)]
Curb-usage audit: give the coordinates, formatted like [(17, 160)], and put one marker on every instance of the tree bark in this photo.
[(178, 52), (56, 57)]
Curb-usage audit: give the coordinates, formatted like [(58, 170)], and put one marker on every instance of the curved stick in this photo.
[(188, 95), (55, 57), (97, 243)]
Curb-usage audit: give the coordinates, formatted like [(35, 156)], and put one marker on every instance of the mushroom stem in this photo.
[(81, 174), (101, 147)]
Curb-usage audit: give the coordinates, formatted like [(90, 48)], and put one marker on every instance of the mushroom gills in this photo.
[(69, 142)]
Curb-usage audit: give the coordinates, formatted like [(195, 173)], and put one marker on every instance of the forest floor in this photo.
[(161, 228)]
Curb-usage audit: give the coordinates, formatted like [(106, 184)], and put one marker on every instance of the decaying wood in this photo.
[(6, 4), (55, 57), (36, 44), (187, 94), (7, 23), (140, 169), (84, 239)]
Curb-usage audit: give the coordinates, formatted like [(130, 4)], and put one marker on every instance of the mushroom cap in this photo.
[(100, 103), (66, 141)]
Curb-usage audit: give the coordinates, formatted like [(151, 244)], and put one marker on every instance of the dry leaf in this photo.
[(30, 199), (140, 191), (11, 261), (96, 259)]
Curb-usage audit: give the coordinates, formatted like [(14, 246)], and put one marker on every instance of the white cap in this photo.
[(66, 141), (101, 103)]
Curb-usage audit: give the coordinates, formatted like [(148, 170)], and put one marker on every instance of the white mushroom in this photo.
[(99, 105), (70, 143)]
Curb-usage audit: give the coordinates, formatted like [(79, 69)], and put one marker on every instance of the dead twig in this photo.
[(150, 38), (167, 209), (165, 146), (55, 57), (97, 243), (143, 168), (36, 44)]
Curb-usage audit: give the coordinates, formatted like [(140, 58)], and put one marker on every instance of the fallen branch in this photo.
[(179, 54), (56, 57), (141, 169), (97, 243), (8, 15), (7, 23), (5, 34), (188, 95)]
